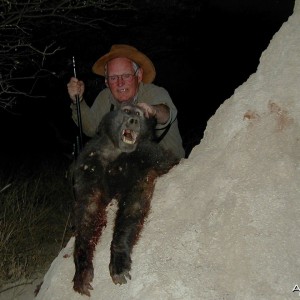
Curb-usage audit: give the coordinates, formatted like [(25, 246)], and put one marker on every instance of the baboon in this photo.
[(121, 162)]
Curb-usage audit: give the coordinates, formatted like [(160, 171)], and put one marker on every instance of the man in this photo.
[(128, 76)]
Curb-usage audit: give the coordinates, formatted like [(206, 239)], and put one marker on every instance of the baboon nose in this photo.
[(133, 121)]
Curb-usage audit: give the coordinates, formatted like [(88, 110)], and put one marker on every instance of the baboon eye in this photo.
[(126, 110), (137, 113)]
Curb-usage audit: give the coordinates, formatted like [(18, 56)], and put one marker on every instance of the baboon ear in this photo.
[(99, 129), (151, 123)]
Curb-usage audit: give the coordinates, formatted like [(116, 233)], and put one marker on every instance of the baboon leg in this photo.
[(128, 225), (90, 214)]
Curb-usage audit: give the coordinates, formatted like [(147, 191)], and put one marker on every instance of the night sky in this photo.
[(201, 54)]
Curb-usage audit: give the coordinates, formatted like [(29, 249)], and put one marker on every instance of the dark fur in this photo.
[(108, 168)]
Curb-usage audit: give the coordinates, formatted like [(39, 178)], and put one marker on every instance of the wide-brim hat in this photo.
[(129, 52)]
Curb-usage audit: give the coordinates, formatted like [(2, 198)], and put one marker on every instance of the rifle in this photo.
[(78, 145)]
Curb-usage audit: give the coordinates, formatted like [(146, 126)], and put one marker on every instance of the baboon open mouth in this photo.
[(129, 136)]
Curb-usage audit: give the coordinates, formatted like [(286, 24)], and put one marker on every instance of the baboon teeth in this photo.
[(129, 136)]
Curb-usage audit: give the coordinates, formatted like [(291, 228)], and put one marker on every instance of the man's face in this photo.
[(125, 87)]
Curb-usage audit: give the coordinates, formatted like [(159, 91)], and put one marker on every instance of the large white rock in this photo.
[(225, 223)]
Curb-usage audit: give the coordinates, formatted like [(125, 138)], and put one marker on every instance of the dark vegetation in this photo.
[(35, 217)]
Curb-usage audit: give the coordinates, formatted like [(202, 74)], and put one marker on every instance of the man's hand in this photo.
[(160, 111), (75, 88), (149, 110)]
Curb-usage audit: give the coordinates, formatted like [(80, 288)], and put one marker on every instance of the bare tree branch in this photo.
[(28, 36)]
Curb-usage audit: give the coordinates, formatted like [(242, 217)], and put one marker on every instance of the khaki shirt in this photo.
[(148, 93)]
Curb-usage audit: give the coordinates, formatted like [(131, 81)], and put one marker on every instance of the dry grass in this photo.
[(35, 208)]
